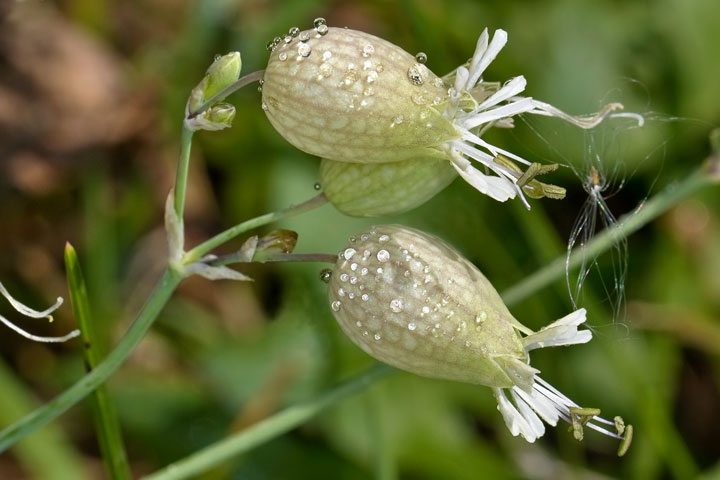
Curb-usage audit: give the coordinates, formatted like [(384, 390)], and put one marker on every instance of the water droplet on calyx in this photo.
[(383, 256), (397, 305), (336, 305), (414, 74), (421, 57), (326, 275), (304, 50)]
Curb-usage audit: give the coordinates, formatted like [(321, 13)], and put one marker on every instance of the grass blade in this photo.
[(103, 411)]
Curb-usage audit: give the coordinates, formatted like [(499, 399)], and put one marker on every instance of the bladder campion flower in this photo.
[(350, 97), (410, 300)]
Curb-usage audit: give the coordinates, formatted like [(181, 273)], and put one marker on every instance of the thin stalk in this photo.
[(105, 418), (235, 258), (641, 216), (80, 389), (183, 167), (241, 82), (280, 423), (204, 248)]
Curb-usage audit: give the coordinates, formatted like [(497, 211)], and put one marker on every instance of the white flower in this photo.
[(476, 105), (31, 313)]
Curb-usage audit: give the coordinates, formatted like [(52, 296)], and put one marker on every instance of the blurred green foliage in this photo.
[(225, 355)]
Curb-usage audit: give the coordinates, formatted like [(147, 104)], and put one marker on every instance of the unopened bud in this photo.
[(218, 117), (223, 72)]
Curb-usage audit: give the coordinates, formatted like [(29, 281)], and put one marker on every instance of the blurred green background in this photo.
[(92, 94)]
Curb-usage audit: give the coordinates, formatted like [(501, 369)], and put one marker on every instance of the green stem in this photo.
[(236, 258), (280, 423), (204, 248), (249, 78), (53, 409), (183, 167), (627, 224), (107, 425)]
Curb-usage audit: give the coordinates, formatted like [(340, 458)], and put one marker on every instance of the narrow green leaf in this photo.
[(103, 410)]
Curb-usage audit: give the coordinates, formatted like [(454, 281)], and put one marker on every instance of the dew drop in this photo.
[(411, 326), (481, 318), (414, 75), (264, 106), (294, 31), (461, 326), (368, 50), (364, 271), (269, 46), (377, 336), (425, 309), (365, 297), (287, 39), (327, 54), (371, 77), (351, 296), (379, 270), (396, 305), (353, 280), (384, 238), (419, 99), (358, 323), (304, 49), (326, 275), (319, 21), (341, 292), (421, 57), (282, 56), (304, 36), (324, 70), (366, 253), (322, 29), (383, 256), (367, 65), (336, 305), (317, 186), (369, 92), (468, 344), (438, 83), (396, 121), (348, 253), (353, 266), (379, 68), (344, 277)]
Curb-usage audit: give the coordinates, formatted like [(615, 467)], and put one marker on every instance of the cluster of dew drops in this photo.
[(396, 305), (414, 72)]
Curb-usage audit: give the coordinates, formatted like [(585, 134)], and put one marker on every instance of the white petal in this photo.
[(509, 110), (515, 422), (541, 404), (498, 188), (471, 137), (529, 415), (481, 62), (461, 76), (510, 89), (560, 332)]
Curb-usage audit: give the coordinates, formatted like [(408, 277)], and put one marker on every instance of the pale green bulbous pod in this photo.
[(410, 300), (354, 97), (376, 189)]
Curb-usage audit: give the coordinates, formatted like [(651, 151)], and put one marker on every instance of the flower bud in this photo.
[(223, 72), (410, 300), (368, 190), (214, 118)]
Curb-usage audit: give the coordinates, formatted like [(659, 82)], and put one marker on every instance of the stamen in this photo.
[(37, 338), (32, 313), (27, 311)]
